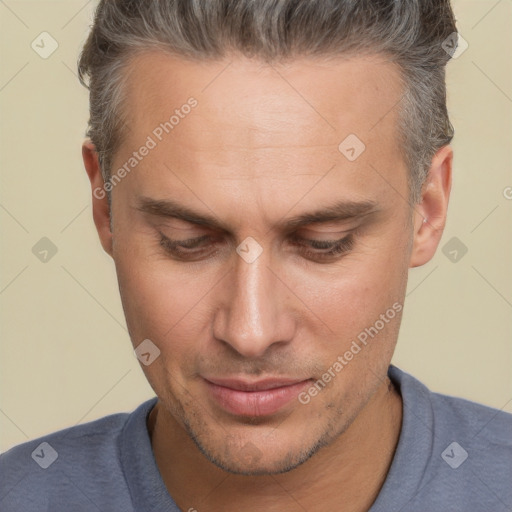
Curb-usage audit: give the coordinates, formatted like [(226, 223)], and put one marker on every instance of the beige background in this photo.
[(65, 356)]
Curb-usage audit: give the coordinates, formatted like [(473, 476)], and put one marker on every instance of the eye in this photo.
[(185, 249), (324, 249), (194, 248)]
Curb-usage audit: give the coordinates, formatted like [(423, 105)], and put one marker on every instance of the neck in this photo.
[(349, 471)]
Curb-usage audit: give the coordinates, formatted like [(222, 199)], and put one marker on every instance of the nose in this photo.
[(253, 313)]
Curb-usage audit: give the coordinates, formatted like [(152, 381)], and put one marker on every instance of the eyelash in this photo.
[(334, 247)]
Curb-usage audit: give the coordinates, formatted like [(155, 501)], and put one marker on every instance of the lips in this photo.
[(259, 398)]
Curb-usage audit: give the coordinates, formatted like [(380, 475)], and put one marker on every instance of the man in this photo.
[(264, 174)]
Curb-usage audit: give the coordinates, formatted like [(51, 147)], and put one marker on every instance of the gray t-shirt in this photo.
[(452, 455)]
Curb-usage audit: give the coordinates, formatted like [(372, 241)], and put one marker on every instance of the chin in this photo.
[(262, 464), (257, 458)]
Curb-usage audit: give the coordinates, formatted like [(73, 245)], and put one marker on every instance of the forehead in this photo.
[(247, 104), (260, 134)]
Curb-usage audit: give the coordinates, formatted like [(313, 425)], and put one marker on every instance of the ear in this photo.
[(100, 206), (430, 213)]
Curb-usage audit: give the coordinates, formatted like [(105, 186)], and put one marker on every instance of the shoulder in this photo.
[(70, 466), (462, 417), (479, 435), (478, 421), (465, 448), (84, 440)]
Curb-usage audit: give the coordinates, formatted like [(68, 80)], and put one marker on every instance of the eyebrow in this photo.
[(339, 211)]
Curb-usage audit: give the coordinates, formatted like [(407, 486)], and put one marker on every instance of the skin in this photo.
[(260, 147)]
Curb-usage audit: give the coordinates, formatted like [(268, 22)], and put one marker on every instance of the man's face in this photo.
[(258, 149)]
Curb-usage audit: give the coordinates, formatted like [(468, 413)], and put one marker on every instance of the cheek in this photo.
[(350, 301), (164, 307), (157, 298), (358, 291)]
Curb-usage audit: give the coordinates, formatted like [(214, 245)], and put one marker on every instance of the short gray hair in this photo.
[(410, 32)]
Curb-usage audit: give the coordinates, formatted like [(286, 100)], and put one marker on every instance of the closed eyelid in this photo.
[(338, 237), (338, 245), (322, 237)]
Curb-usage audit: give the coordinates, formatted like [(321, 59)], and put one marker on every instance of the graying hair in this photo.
[(410, 32)]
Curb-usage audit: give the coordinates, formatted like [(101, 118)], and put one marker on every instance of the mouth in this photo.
[(257, 398)]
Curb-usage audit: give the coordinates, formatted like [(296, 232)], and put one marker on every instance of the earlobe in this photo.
[(100, 205), (430, 214)]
